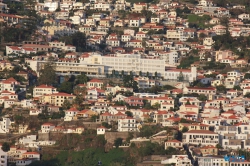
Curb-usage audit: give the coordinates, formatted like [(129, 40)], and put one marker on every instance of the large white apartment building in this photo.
[(69, 68), (97, 64), (203, 137), (129, 62)]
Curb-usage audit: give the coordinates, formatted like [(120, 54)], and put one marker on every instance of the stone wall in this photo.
[(112, 136), (43, 136)]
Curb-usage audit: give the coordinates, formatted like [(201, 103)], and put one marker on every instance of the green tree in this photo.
[(118, 142), (109, 97), (66, 87), (202, 97), (130, 136), (156, 74), (66, 105), (221, 89), (237, 87), (184, 120), (82, 79), (78, 101), (58, 115), (78, 40), (156, 106), (105, 124), (47, 74), (184, 129), (247, 76), (188, 102), (5, 147), (129, 113), (140, 73), (94, 118), (181, 77), (247, 95), (218, 146)]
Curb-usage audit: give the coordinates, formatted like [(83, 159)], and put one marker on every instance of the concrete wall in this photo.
[(43, 136), (112, 136)]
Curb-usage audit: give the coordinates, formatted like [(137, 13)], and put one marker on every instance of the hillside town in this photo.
[(124, 83)]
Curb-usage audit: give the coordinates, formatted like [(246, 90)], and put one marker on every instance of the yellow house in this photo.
[(5, 65), (95, 83), (189, 108), (86, 114), (173, 143), (57, 98), (209, 150), (138, 7), (215, 83), (193, 126), (161, 100)]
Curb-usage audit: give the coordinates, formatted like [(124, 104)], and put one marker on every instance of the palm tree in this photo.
[(156, 74), (140, 73), (66, 78), (47, 24), (113, 73), (122, 73)]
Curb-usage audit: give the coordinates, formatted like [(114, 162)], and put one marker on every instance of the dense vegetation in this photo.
[(88, 157)]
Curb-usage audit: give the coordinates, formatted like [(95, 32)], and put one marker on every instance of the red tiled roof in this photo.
[(119, 114), (44, 86), (48, 124), (95, 80), (106, 114), (173, 141), (200, 132)]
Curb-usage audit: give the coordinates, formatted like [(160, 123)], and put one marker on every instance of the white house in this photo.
[(203, 137), (180, 160), (47, 127), (185, 74), (43, 89), (127, 124), (5, 125), (101, 130), (70, 114), (135, 22), (3, 157)]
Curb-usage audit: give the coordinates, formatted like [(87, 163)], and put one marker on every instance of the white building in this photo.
[(127, 124), (47, 127), (51, 5), (135, 22), (70, 114), (178, 160), (102, 6), (212, 161), (5, 125), (3, 157), (101, 130), (145, 82), (18, 51), (203, 137), (43, 90), (66, 31), (186, 74), (130, 62)]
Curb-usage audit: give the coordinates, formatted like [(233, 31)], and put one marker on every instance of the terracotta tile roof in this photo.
[(174, 141), (96, 80), (48, 124), (200, 132)]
